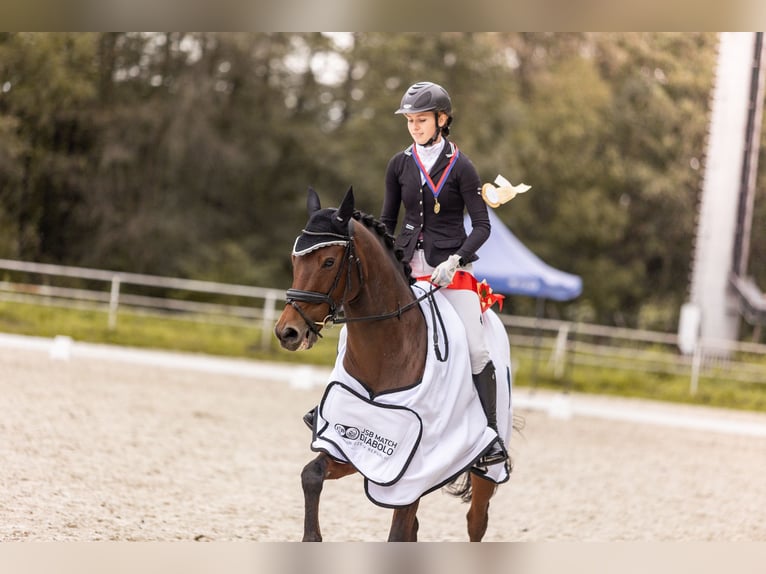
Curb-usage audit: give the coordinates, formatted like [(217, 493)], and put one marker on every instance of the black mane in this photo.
[(388, 240)]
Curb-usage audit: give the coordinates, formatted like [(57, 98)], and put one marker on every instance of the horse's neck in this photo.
[(388, 353)]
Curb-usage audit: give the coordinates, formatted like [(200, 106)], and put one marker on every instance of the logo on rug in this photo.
[(368, 439), (351, 433)]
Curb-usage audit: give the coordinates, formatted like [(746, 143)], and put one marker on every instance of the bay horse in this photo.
[(346, 260)]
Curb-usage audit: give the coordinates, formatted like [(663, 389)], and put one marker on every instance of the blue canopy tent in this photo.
[(512, 269)]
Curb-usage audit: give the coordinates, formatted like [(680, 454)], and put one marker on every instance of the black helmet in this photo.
[(425, 97)]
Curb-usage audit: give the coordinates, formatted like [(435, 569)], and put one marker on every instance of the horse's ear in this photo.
[(346, 209), (312, 201)]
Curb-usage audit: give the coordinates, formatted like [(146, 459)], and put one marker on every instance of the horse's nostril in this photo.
[(289, 334)]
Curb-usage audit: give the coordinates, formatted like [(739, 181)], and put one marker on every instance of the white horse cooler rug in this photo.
[(409, 442)]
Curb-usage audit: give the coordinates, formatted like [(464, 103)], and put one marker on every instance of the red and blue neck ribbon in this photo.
[(436, 188)]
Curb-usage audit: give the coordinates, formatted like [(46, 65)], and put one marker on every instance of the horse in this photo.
[(345, 260)]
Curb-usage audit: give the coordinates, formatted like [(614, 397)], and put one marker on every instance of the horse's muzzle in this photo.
[(294, 337)]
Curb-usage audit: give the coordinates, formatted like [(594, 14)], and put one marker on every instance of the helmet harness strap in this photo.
[(436, 133)]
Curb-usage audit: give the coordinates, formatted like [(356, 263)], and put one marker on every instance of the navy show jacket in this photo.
[(443, 233)]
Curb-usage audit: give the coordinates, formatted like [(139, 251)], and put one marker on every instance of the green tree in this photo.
[(617, 124), (47, 85), (190, 153)]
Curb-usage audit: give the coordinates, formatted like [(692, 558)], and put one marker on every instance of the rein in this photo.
[(391, 315)]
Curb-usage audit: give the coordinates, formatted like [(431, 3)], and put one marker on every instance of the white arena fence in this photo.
[(62, 285), (546, 346)]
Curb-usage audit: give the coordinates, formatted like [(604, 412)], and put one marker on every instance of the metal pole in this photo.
[(560, 351), (539, 312)]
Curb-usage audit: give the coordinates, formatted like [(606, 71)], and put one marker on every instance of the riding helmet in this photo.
[(424, 97)]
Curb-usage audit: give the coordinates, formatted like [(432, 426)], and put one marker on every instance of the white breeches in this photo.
[(467, 305)]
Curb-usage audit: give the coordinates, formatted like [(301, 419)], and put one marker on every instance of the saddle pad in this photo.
[(378, 439)]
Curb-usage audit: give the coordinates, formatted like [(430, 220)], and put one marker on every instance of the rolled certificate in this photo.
[(503, 193)]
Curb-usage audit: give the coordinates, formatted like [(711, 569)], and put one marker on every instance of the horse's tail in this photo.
[(461, 485)]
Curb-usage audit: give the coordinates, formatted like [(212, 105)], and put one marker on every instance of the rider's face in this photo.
[(422, 126)]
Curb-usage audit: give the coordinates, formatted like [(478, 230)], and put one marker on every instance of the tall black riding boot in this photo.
[(486, 386)]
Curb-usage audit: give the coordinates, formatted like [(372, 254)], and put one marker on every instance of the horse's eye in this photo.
[(329, 262)]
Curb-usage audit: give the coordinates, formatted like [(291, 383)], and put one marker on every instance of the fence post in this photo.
[(114, 302), (696, 364), (269, 316), (559, 355)]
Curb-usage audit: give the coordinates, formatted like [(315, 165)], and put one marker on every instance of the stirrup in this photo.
[(309, 418), (495, 454)]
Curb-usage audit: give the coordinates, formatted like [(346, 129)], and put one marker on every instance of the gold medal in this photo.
[(436, 188)]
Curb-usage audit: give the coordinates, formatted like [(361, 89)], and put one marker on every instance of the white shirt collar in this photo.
[(429, 155)]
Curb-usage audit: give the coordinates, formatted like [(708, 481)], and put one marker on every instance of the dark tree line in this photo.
[(189, 154)]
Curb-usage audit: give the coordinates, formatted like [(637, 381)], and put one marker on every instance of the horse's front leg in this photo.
[(404, 524), (478, 513), (312, 479)]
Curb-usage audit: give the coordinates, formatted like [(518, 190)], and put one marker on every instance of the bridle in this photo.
[(350, 261), (295, 296)]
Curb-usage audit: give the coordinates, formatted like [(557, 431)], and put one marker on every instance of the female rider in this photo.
[(436, 183)]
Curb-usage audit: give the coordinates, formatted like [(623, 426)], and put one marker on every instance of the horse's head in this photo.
[(323, 261)]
